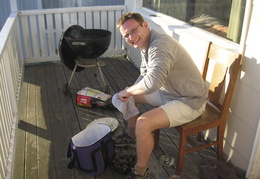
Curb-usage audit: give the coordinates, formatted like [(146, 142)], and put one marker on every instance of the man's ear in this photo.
[(145, 24)]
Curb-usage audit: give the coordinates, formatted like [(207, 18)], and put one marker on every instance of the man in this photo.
[(168, 79)]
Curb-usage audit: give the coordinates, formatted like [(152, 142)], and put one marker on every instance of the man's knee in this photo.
[(152, 120), (143, 125)]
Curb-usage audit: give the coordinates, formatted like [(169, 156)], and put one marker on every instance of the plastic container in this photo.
[(166, 160)]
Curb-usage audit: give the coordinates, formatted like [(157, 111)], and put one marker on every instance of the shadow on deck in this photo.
[(48, 119)]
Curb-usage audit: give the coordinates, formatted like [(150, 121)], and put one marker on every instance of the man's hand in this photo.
[(130, 91), (123, 95)]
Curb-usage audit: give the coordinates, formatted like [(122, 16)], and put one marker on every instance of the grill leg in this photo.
[(66, 89), (106, 88)]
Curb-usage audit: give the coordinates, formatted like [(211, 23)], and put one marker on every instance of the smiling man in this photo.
[(168, 79)]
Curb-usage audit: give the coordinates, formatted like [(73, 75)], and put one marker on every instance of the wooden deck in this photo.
[(48, 119)]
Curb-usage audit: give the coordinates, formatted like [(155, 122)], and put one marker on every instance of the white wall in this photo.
[(244, 113), (248, 93)]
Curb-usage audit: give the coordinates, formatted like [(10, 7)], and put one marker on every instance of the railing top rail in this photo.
[(5, 32), (72, 9)]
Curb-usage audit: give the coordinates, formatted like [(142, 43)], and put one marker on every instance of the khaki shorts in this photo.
[(178, 112)]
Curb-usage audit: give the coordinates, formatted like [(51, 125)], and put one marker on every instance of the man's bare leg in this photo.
[(131, 123), (145, 125)]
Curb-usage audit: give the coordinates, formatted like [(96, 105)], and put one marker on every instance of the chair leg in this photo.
[(181, 153), (220, 142), (156, 136), (198, 136)]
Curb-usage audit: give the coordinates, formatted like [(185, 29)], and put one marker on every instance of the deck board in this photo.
[(48, 119), (43, 125)]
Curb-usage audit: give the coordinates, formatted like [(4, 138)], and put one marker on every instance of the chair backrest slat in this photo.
[(217, 84)]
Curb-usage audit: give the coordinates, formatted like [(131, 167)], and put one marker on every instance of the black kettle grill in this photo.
[(80, 48)]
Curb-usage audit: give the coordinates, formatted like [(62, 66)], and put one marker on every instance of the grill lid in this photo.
[(78, 42), (66, 54)]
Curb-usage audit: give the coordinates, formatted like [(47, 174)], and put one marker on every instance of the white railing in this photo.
[(42, 29), (11, 67)]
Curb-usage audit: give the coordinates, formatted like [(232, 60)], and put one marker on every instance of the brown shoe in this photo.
[(124, 140), (134, 175)]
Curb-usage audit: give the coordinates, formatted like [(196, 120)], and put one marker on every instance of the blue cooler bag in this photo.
[(92, 149)]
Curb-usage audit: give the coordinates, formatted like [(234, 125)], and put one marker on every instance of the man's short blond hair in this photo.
[(127, 16)]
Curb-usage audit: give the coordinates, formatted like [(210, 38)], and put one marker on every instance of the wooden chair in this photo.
[(226, 64)]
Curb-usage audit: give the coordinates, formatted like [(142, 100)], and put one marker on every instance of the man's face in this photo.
[(135, 34)]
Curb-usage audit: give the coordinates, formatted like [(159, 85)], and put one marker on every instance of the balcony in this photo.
[(40, 119)]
